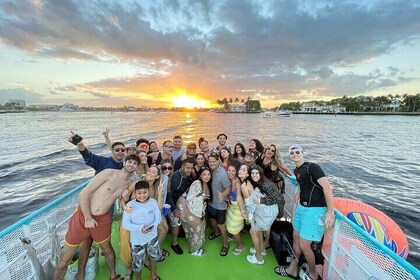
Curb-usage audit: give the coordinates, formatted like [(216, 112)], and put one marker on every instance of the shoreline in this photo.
[(362, 113)]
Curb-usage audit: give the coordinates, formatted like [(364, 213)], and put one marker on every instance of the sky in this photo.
[(191, 53)]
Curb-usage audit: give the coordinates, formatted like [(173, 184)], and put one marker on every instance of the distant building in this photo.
[(393, 106), (321, 108), (250, 106), (236, 108)]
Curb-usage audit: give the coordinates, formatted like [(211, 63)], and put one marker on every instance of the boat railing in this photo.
[(14, 259), (350, 252)]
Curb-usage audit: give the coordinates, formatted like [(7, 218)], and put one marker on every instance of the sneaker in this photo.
[(253, 251), (198, 253), (253, 259)]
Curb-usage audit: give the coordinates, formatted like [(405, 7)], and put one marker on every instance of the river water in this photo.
[(375, 159)]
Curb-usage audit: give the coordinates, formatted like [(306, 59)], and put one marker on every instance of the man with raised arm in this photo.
[(93, 219), (314, 214), (98, 163)]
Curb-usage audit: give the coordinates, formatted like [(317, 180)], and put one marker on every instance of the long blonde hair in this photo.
[(155, 185)]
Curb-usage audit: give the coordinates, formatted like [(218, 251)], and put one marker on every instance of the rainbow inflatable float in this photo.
[(374, 222)]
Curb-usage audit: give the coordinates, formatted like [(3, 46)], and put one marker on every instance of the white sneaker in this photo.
[(253, 251), (253, 259)]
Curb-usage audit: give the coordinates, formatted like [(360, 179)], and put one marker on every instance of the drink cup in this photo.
[(166, 209)]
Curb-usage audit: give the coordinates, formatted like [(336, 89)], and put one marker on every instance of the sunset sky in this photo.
[(175, 53)]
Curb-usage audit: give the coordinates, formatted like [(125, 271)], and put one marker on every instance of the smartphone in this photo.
[(76, 139)]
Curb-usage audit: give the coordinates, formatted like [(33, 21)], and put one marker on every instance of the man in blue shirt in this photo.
[(100, 163)]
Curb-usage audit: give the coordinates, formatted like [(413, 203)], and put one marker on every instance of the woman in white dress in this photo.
[(192, 206), (263, 204)]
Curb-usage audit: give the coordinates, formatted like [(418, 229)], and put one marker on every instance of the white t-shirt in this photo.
[(143, 214)]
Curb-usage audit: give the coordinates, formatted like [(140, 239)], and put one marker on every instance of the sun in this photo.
[(188, 102)]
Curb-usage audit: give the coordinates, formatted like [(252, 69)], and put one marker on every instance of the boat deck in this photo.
[(210, 266)]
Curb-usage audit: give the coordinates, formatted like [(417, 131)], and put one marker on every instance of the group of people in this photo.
[(181, 188)]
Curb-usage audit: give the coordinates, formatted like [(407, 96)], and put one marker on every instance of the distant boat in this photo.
[(268, 115), (283, 113), (66, 109)]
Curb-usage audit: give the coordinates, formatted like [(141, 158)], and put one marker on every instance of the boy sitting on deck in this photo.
[(142, 222)]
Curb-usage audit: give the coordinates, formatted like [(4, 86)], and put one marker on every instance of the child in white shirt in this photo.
[(142, 222)]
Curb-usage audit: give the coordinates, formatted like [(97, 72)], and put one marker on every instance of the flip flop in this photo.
[(237, 251), (224, 251), (155, 278), (129, 276), (213, 235), (281, 270), (117, 277)]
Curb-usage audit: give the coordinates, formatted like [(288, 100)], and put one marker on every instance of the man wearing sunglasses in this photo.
[(99, 163), (314, 213)]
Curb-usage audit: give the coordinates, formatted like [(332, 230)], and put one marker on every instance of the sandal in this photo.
[(129, 276), (154, 278), (281, 270), (162, 258), (224, 251), (117, 277), (165, 253), (237, 251), (213, 235), (253, 259)]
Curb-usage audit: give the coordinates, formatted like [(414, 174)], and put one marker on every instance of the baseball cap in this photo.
[(295, 147)]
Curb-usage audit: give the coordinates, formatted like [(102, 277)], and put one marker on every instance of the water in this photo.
[(374, 159)]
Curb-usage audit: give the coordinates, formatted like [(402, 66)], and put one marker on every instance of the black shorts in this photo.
[(218, 215)]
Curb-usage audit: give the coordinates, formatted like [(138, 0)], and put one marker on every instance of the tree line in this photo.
[(408, 103)]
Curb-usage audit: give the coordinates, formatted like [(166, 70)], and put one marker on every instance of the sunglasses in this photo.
[(119, 150), (272, 150), (170, 147), (167, 168), (294, 152)]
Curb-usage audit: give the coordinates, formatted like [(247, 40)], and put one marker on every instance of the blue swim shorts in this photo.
[(309, 222)]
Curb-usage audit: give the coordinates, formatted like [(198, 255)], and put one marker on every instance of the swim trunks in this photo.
[(77, 233)]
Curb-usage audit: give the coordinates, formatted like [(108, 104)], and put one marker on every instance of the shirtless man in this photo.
[(93, 219)]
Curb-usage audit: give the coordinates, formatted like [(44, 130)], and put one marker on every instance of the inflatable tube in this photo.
[(374, 222)]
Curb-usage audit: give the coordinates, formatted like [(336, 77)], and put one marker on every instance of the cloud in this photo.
[(278, 49), (19, 93)]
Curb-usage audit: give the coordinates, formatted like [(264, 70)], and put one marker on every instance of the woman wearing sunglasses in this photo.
[(272, 163)]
